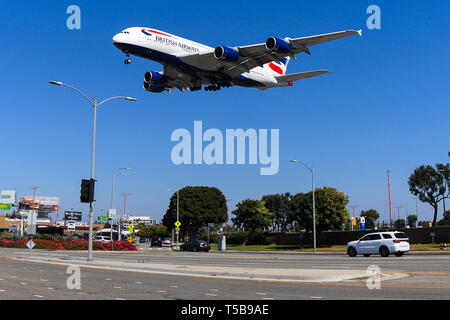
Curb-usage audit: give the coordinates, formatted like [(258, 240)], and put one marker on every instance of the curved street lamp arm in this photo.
[(90, 101), (306, 166), (106, 100)]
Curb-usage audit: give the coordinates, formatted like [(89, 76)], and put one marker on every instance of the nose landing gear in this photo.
[(127, 60)]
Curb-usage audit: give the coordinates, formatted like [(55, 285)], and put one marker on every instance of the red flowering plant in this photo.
[(68, 245)]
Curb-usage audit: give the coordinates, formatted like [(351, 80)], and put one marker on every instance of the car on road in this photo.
[(156, 241), (195, 245), (382, 243), (102, 239), (167, 242)]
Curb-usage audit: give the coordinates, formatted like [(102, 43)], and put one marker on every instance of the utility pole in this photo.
[(398, 211), (390, 201), (34, 191)]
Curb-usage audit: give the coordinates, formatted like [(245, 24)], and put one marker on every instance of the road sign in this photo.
[(5, 206), (130, 239), (130, 228), (112, 213), (30, 244), (70, 226), (103, 218), (31, 222), (177, 229), (177, 224), (362, 220)]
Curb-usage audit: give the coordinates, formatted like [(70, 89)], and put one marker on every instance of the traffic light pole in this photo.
[(91, 203), (95, 105)]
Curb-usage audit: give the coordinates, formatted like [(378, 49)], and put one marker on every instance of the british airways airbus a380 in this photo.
[(189, 65)]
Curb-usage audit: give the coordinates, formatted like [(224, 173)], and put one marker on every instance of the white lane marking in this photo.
[(38, 296), (120, 299), (213, 290), (1, 279), (117, 287), (261, 293), (138, 282), (108, 279), (174, 286), (23, 283), (211, 294), (268, 299), (162, 291), (313, 297), (82, 292), (43, 280), (2, 290), (49, 288), (12, 276)]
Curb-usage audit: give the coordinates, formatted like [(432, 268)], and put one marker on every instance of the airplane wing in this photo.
[(301, 75), (177, 79), (256, 55)]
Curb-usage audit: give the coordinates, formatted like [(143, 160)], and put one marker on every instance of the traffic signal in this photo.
[(87, 190), (354, 221)]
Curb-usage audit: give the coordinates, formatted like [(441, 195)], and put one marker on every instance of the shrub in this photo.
[(68, 245)]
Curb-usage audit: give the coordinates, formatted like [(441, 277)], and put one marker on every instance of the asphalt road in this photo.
[(425, 277)]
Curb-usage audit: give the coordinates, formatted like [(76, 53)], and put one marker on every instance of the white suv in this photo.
[(382, 243)]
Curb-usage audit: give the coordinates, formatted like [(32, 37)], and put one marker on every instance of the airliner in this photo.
[(189, 66)]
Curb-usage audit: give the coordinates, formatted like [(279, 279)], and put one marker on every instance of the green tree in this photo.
[(252, 215), (370, 216), (412, 219), (399, 223), (429, 185), (446, 220), (278, 205), (331, 211), (198, 206), (424, 223)]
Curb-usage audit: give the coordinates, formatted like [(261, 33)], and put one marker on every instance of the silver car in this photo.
[(382, 243)]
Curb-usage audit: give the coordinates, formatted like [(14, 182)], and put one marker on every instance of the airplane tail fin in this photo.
[(279, 68)]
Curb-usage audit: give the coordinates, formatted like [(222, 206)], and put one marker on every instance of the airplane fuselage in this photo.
[(169, 49)]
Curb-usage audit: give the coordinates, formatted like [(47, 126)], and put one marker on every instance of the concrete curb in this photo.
[(444, 252)]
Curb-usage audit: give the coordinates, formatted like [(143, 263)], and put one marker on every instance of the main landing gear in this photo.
[(218, 86)]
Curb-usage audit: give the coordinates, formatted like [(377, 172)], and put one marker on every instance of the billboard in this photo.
[(72, 216), (7, 196), (41, 204)]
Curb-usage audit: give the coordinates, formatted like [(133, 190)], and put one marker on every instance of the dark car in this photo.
[(156, 241), (195, 245)]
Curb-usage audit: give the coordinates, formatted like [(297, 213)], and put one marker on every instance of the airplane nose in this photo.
[(116, 38)]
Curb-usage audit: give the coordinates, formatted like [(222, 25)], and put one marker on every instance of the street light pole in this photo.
[(95, 105), (313, 200), (178, 214)]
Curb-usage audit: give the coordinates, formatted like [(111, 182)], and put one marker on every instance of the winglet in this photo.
[(359, 32)]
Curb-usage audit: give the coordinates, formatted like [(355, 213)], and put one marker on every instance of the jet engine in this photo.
[(153, 77), (277, 45), (153, 87), (226, 54)]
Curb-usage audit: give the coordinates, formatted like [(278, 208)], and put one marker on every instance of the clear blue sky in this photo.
[(385, 106)]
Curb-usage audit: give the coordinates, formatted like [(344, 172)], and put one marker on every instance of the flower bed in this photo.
[(69, 245)]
